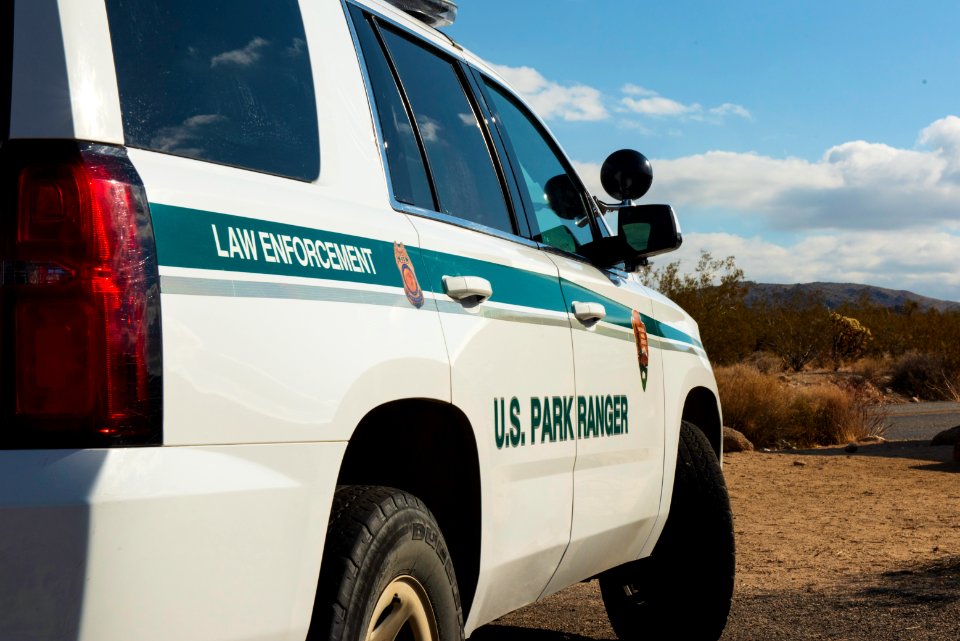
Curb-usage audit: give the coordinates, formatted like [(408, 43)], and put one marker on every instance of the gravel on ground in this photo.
[(830, 545)]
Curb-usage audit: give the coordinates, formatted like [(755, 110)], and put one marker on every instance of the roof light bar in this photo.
[(436, 13)]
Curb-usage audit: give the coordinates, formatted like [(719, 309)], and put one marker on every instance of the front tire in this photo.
[(386, 573), (684, 589)]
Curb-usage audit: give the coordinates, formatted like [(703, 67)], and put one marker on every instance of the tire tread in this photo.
[(697, 541), (357, 515)]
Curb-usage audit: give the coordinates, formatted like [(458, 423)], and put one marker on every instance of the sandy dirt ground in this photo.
[(830, 545)]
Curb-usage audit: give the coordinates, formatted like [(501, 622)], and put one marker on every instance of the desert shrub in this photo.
[(765, 362), (928, 376), (797, 324), (874, 369), (796, 327), (713, 294), (822, 415), (772, 413), (849, 339), (752, 402)]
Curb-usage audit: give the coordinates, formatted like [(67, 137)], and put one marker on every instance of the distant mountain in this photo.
[(836, 294)]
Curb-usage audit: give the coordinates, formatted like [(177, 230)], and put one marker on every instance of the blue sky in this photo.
[(813, 141)]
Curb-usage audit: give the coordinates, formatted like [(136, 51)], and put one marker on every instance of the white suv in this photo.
[(308, 329)]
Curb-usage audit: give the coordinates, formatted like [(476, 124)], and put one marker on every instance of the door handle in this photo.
[(469, 290), (589, 313)]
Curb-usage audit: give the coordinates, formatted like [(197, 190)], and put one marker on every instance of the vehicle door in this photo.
[(618, 411), (501, 307)]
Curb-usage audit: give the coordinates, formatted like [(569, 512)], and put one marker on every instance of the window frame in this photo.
[(496, 150), (375, 112)]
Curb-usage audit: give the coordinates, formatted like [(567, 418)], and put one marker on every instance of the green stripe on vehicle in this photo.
[(198, 239), (204, 240), (620, 315), (512, 286)]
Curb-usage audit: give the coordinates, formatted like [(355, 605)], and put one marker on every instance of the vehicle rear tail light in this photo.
[(80, 357)]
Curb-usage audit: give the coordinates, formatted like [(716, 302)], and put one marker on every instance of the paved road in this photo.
[(920, 421)]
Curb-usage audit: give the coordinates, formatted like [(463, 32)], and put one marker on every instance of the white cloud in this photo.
[(184, 138), (647, 102), (637, 90), (854, 185), (660, 106), (864, 212), (429, 128), (243, 57), (202, 119), (943, 137), (920, 261), (635, 126), (579, 102), (298, 46), (730, 109), (550, 99), (739, 181), (589, 173)]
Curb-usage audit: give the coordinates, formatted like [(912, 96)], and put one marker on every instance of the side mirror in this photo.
[(642, 231), (649, 230), (626, 175)]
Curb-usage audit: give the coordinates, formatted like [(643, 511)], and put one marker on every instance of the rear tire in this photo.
[(386, 573), (683, 590)]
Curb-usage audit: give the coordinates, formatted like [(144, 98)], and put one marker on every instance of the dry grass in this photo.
[(772, 413), (874, 369), (928, 376), (765, 362), (822, 415), (752, 402), (951, 388)]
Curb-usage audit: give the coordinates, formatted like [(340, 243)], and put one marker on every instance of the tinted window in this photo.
[(463, 173), (407, 172), (550, 191), (227, 81)]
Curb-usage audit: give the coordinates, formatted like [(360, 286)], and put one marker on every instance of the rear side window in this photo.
[(227, 81), (459, 158)]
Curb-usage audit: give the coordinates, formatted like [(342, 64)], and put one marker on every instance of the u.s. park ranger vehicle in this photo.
[(308, 330)]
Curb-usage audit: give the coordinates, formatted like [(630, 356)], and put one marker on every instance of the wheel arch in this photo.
[(702, 408), (427, 448)]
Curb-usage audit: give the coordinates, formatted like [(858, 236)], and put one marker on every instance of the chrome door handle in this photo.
[(589, 313), (469, 290)]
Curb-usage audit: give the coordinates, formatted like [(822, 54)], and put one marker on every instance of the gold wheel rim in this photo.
[(403, 605)]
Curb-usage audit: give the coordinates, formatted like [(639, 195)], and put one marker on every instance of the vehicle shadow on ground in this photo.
[(918, 603), (801, 616), (940, 457), (935, 582), (514, 633)]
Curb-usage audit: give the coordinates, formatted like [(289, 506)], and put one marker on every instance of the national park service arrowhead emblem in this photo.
[(643, 345), (411, 286)]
